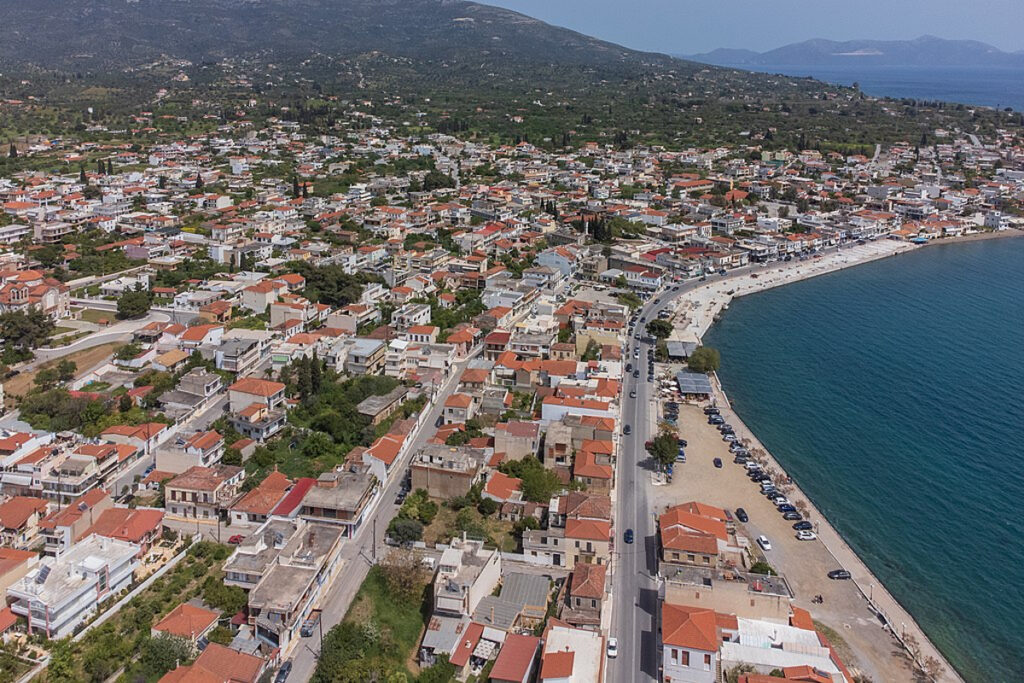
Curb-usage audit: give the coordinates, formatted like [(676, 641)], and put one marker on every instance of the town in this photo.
[(282, 405)]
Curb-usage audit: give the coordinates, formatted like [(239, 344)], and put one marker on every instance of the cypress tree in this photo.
[(199, 181), (315, 373), (81, 175), (110, 167), (13, 152)]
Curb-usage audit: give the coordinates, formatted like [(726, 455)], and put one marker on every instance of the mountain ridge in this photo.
[(925, 50)]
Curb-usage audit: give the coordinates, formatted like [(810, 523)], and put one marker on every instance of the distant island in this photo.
[(924, 51)]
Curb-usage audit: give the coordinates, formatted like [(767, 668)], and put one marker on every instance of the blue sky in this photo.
[(692, 26)]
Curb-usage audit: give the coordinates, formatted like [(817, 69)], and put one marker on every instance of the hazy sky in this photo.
[(692, 26)]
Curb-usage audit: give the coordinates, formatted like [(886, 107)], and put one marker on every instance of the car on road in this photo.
[(803, 525), (791, 516), (763, 541), (613, 648), (282, 673), (236, 539), (717, 463), (629, 367), (741, 515), (628, 536), (627, 430), (636, 374), (632, 394), (839, 575)]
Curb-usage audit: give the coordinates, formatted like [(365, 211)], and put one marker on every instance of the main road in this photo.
[(635, 586)]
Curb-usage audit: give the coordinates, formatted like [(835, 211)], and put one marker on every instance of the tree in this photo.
[(441, 671), (133, 303), (591, 352), (704, 359), (163, 653), (435, 180), (81, 175), (199, 181), (229, 599), (315, 373), (663, 448), (487, 506), (25, 331), (405, 531), (538, 482), (659, 329), (404, 575), (12, 152), (66, 370)]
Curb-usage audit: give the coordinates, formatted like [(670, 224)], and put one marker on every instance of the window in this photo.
[(684, 658), (593, 603), (691, 557), (707, 662), (675, 656)]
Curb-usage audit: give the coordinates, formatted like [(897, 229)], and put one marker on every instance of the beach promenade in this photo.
[(869, 619)]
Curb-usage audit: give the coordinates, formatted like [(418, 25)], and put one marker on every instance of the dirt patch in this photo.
[(84, 359)]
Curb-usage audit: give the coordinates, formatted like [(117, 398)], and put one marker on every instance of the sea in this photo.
[(893, 393), (995, 86)]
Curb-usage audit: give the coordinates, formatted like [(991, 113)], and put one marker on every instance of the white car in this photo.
[(806, 535), (765, 544), (613, 648)]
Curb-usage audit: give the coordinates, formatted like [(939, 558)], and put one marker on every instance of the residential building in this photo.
[(202, 492), (61, 593)]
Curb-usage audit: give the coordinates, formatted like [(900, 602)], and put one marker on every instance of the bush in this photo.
[(405, 531), (487, 507)]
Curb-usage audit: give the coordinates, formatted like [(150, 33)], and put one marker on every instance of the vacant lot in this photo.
[(84, 359)]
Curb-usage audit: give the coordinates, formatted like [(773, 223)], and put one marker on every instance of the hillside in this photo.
[(446, 65), (92, 34), (923, 51)]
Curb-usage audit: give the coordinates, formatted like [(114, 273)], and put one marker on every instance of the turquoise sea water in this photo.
[(893, 393)]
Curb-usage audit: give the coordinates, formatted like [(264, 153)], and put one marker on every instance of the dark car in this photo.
[(740, 460), (803, 525), (628, 536), (792, 516), (629, 367), (627, 430), (717, 462), (682, 442), (839, 574), (787, 507), (741, 515), (636, 373), (632, 394), (711, 411), (282, 673)]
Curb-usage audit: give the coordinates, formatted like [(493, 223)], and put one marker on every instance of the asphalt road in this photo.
[(634, 581)]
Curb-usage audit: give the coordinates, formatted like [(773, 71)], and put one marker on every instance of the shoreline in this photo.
[(705, 306)]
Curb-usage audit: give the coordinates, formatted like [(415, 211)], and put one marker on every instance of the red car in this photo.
[(236, 539)]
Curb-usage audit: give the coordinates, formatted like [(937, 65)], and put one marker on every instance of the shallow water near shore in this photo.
[(893, 393)]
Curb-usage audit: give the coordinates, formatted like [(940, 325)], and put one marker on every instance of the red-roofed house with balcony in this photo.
[(690, 639), (187, 621), (141, 526), (65, 527), (145, 437), (19, 521)]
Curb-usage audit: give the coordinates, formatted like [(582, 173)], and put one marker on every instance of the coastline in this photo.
[(701, 308)]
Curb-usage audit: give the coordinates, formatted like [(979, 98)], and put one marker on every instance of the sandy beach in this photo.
[(857, 609)]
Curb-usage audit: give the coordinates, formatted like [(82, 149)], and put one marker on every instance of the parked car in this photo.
[(717, 462), (682, 442), (613, 648), (741, 515), (310, 624), (791, 516), (236, 539), (786, 507), (803, 525), (627, 430), (839, 575), (765, 544), (282, 673), (628, 536), (711, 410)]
